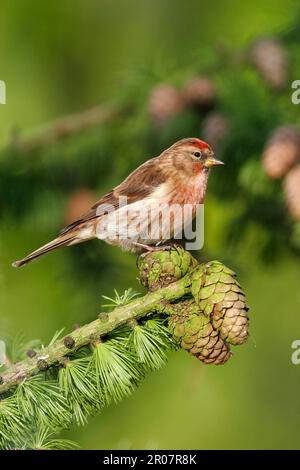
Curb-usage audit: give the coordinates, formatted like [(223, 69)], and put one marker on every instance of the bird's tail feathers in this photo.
[(56, 243)]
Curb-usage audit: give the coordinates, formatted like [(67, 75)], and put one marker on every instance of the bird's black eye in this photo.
[(197, 154)]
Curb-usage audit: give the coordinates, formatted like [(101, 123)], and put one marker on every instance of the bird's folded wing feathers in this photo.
[(137, 186)]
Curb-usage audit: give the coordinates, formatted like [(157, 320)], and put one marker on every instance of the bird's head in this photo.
[(193, 155)]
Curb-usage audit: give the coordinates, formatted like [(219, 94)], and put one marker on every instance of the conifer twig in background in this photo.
[(65, 126)]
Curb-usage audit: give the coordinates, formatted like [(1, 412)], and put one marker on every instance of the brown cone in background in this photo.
[(79, 202), (271, 60), (165, 101), (281, 152), (200, 92), (215, 128), (292, 192)]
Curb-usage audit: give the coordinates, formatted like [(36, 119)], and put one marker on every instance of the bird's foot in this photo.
[(153, 249), (170, 246)]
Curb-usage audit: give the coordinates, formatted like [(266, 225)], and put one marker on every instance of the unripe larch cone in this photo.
[(196, 334), (161, 268), (220, 297), (213, 314)]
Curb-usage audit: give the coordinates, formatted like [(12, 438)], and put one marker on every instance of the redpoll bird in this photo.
[(148, 208)]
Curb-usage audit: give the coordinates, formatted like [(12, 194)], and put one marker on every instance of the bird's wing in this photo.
[(138, 185)]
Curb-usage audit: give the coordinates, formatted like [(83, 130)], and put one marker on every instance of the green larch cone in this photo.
[(220, 297), (161, 268), (195, 333)]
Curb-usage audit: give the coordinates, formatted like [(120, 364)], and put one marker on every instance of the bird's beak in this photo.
[(212, 161)]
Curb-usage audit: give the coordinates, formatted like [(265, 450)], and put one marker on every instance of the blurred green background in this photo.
[(59, 57)]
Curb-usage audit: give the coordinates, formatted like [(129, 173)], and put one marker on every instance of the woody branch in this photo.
[(56, 352)]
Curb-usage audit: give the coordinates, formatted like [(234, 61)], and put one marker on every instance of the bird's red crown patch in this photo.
[(200, 144)]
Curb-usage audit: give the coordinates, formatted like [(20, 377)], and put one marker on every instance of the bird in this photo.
[(146, 210)]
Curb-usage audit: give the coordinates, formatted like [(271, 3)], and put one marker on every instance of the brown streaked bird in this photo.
[(146, 209)]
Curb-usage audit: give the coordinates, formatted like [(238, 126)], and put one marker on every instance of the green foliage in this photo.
[(149, 342), (41, 439), (80, 391), (12, 424), (42, 395), (83, 384), (123, 299), (115, 369), (19, 345)]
